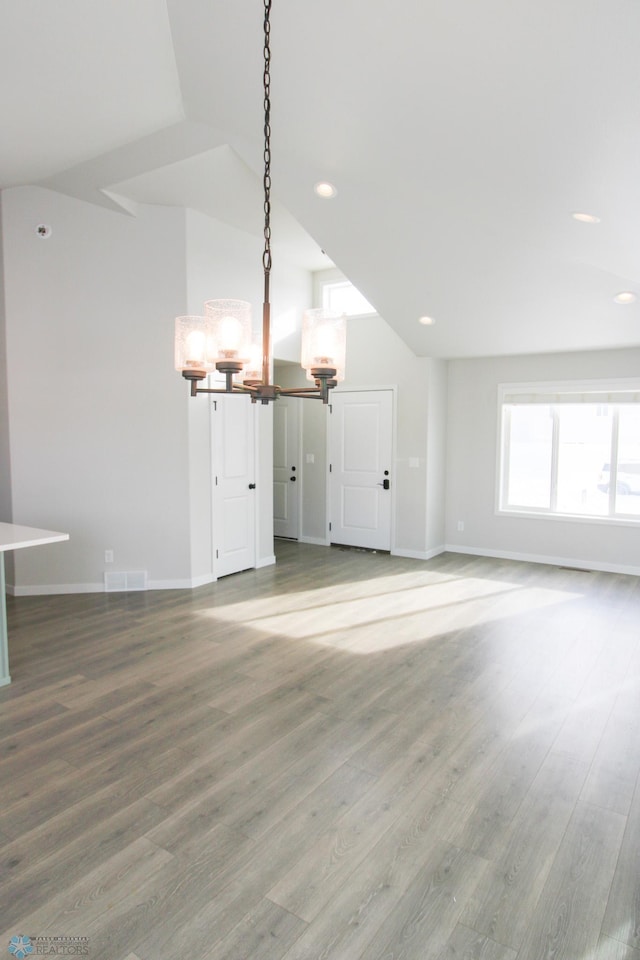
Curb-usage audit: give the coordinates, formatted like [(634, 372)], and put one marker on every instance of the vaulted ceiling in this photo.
[(461, 137)]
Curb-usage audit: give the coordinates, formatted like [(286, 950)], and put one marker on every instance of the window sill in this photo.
[(529, 514)]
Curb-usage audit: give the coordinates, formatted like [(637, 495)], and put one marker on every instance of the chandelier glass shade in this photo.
[(324, 343), (221, 340)]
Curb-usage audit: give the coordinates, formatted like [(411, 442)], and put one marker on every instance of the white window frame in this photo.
[(332, 277), (606, 392)]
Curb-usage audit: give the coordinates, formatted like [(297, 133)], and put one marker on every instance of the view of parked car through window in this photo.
[(627, 477)]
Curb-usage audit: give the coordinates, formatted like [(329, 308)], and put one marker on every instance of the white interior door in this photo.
[(234, 499), (361, 445), (286, 467)]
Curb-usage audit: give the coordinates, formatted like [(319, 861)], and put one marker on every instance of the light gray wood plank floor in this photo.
[(347, 756)]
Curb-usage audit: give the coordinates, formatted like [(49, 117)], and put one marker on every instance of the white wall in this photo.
[(472, 464), (98, 417), (376, 357), (106, 443)]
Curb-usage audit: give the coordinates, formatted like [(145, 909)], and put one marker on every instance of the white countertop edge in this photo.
[(13, 536)]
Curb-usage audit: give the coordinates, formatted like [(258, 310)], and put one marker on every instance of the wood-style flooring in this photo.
[(347, 756)]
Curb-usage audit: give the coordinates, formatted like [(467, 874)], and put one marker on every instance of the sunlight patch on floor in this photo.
[(388, 612)]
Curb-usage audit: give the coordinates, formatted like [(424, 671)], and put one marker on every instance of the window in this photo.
[(335, 292), (571, 449)]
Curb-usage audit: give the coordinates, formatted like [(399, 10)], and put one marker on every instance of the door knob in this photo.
[(292, 478)]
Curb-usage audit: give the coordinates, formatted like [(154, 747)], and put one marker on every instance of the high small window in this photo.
[(335, 292), (570, 449)]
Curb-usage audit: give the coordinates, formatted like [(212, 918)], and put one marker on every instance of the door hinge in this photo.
[(330, 468), (216, 481), (217, 554), (330, 408), (215, 404), (329, 526)]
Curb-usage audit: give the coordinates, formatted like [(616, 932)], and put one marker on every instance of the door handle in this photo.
[(384, 483), (292, 478), (252, 486)]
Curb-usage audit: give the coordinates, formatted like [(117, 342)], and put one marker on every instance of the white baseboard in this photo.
[(419, 554), (315, 541), (265, 562), (191, 584), (51, 589), (54, 589), (577, 564)]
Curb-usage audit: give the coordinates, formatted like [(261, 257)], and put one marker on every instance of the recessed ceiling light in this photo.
[(325, 190), (426, 321), (625, 296), (585, 217)]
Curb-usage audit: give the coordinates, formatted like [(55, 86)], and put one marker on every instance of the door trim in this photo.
[(393, 389)]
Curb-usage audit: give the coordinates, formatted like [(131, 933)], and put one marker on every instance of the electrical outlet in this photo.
[(108, 556)]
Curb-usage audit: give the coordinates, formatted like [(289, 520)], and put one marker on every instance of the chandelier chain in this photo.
[(266, 256)]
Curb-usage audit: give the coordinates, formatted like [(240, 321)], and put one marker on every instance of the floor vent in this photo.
[(123, 582)]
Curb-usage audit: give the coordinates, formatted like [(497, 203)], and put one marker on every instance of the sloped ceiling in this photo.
[(461, 138)]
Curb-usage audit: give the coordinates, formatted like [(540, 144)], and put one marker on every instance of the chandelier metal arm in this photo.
[(304, 394), (267, 392), (233, 388)]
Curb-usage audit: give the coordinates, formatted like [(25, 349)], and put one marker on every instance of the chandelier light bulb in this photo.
[(194, 346), (325, 345), (253, 367), (196, 341), (324, 336), (230, 336)]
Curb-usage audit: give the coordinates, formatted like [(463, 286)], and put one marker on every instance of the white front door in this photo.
[(286, 467), (234, 499), (361, 445)]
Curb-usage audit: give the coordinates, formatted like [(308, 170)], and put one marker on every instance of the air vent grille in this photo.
[(125, 581)]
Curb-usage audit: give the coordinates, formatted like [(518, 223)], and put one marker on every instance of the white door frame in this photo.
[(394, 423), (212, 474)]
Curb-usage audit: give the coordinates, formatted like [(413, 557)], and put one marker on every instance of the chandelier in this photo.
[(221, 340)]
